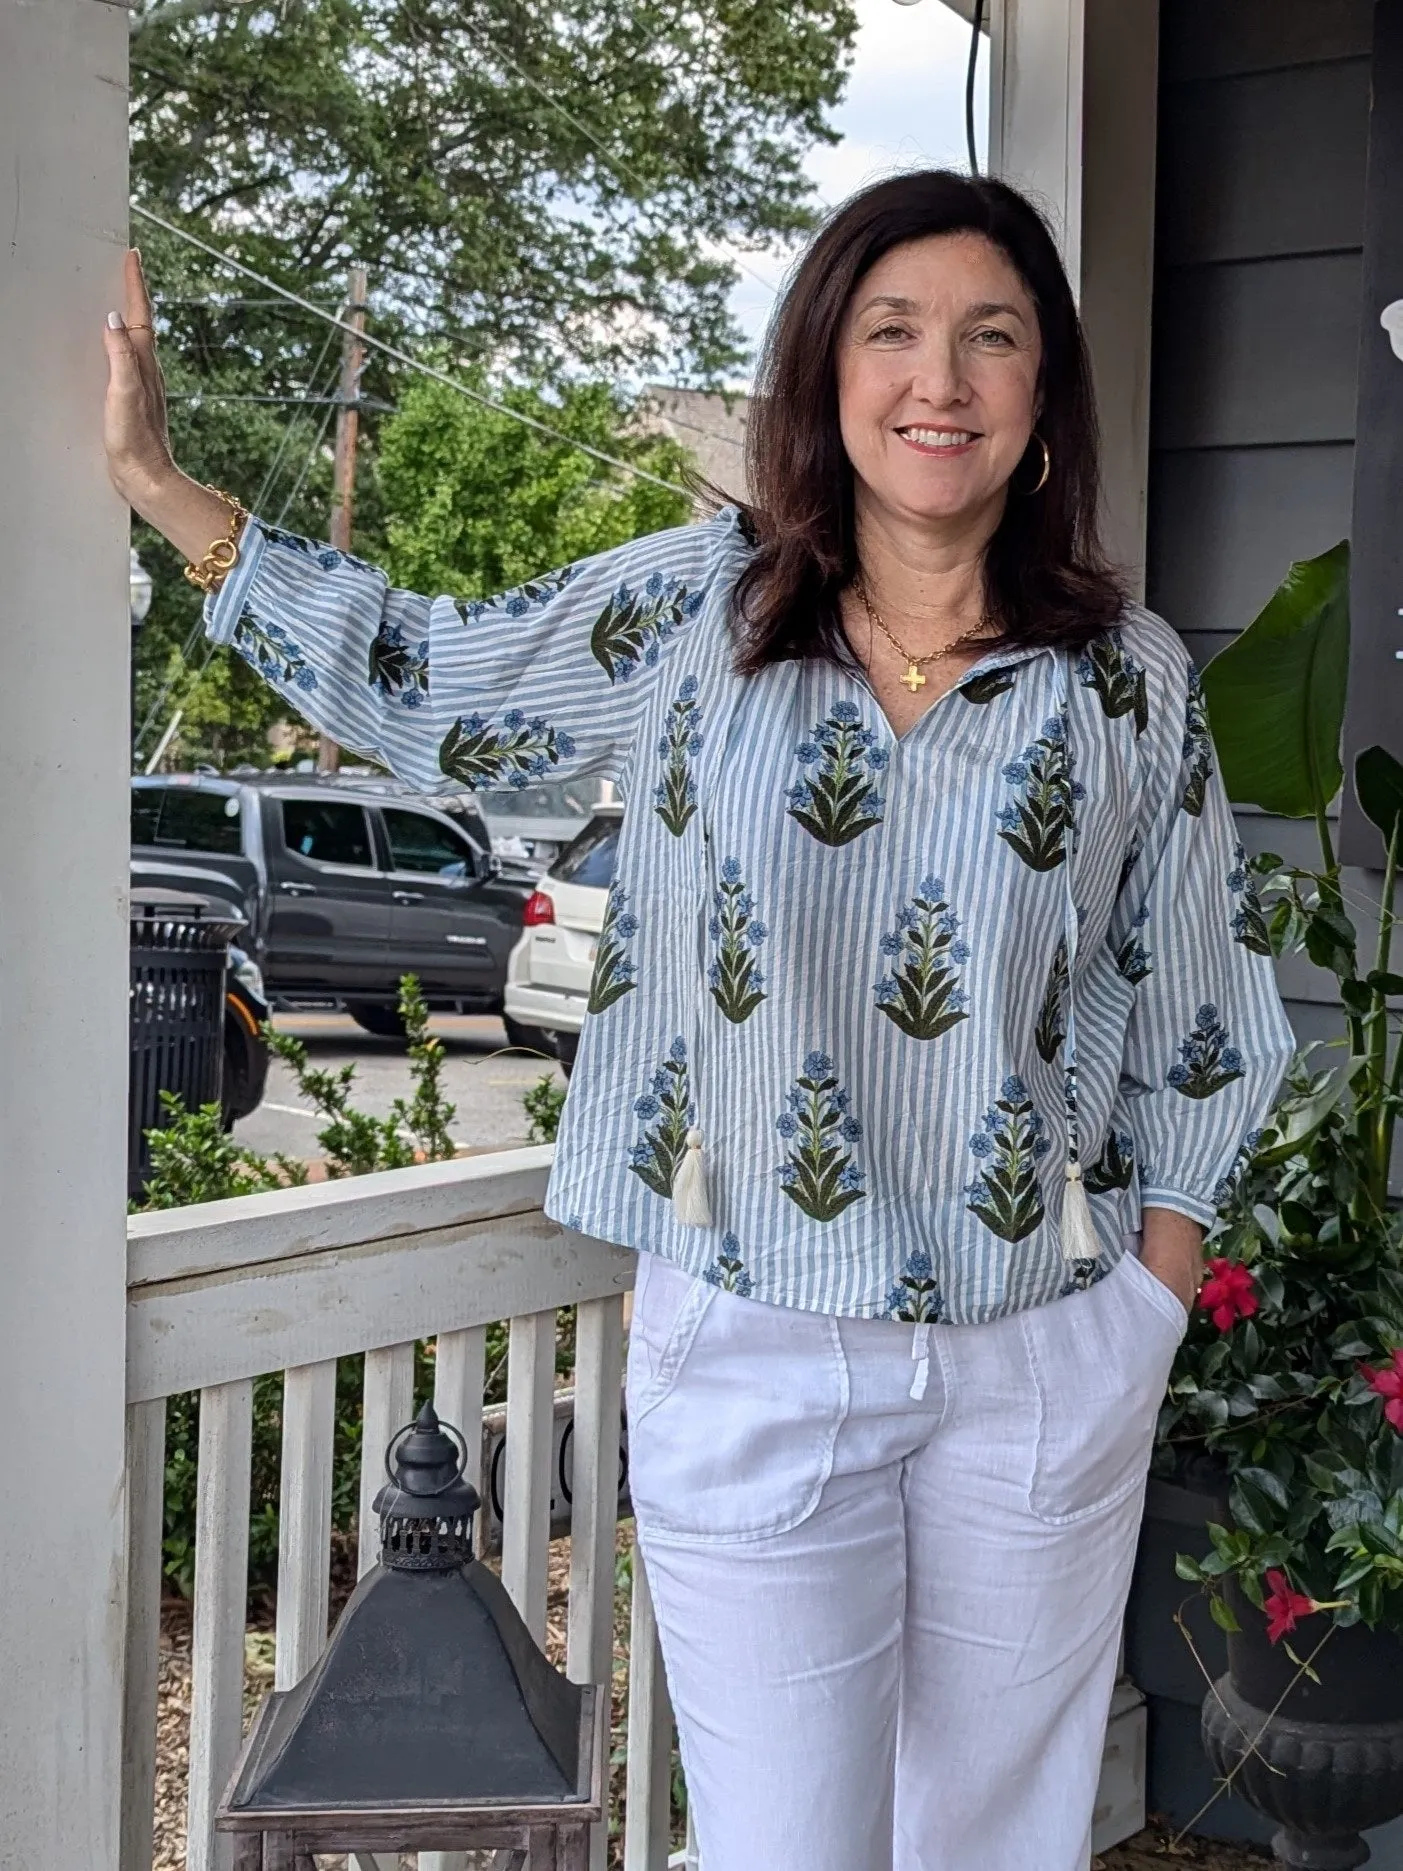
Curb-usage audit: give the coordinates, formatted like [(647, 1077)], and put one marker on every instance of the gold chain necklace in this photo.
[(913, 679)]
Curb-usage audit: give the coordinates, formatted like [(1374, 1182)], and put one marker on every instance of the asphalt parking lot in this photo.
[(483, 1079)]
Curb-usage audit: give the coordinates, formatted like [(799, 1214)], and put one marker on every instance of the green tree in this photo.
[(531, 182), (475, 502)]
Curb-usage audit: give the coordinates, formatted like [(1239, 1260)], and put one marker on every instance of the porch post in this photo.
[(1072, 108), (1072, 118), (63, 936)]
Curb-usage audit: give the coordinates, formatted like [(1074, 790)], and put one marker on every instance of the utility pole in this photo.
[(343, 497)]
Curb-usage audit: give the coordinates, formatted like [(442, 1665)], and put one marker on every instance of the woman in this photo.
[(923, 1027)]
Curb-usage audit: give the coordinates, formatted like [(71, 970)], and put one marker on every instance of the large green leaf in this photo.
[(1378, 780), (1276, 696)]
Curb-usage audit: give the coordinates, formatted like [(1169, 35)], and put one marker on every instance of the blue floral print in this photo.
[(734, 976), (1006, 1194), (630, 631), (837, 798), (728, 1270), (922, 993), (916, 1297), (675, 796), (818, 1174), (1207, 1062), (830, 949), (521, 751)]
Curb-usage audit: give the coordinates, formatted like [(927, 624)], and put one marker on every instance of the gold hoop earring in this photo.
[(1041, 481)]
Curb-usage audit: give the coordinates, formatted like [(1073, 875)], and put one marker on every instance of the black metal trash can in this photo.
[(179, 956)]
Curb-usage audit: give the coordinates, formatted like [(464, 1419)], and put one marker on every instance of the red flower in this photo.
[(1228, 1294), (1283, 1606), (1389, 1385)]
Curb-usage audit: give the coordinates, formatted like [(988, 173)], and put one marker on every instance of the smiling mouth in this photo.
[(938, 441)]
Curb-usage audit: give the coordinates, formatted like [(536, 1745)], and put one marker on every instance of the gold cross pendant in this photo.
[(914, 679)]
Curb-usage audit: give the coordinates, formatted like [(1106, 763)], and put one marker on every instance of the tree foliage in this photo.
[(529, 181), (458, 150), (475, 503)]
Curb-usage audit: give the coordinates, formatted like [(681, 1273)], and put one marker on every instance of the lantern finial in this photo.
[(426, 1509)]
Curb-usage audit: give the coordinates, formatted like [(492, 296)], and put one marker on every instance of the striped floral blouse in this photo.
[(890, 986)]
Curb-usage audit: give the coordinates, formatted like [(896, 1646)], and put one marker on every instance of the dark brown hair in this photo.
[(1047, 578)]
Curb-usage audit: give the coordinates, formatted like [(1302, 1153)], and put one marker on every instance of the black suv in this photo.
[(347, 884)]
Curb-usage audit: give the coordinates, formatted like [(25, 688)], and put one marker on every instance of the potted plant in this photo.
[(1291, 1376)]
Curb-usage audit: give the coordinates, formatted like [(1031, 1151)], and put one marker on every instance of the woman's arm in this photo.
[(1208, 1040), (551, 680), (1171, 1246), (139, 456)]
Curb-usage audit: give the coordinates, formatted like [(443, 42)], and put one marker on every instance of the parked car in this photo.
[(531, 825), (346, 884), (246, 1056), (548, 976)]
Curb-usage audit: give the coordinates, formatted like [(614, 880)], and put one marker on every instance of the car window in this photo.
[(327, 831), (146, 813), (186, 819), (419, 843), (591, 858)]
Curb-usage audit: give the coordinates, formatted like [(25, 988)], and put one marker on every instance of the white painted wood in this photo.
[(64, 849), (526, 1486), (647, 1815), (389, 1404), (304, 1519), (221, 1588), (146, 1466), (216, 1326), (1072, 120), (285, 1224), (460, 1368), (1120, 1796), (594, 1505)]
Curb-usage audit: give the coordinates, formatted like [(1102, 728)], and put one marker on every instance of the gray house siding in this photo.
[(1264, 118)]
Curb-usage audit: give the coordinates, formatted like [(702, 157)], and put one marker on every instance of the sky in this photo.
[(904, 108)]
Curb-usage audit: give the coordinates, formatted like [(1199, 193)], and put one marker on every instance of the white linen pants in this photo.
[(889, 1620)]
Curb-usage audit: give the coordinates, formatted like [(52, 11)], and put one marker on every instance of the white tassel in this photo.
[(1079, 1241), (689, 1200)]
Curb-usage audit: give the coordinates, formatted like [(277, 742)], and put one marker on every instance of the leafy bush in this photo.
[(194, 1160), (543, 1103), (1291, 1376)]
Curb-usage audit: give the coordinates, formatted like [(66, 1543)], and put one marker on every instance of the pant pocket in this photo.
[(732, 1437), (1100, 1361)]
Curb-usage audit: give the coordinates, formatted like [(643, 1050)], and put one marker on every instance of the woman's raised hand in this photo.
[(134, 431)]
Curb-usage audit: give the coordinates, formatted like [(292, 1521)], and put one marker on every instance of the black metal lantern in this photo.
[(432, 1721)]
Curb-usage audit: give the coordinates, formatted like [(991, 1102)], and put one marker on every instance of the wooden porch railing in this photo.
[(221, 1294)]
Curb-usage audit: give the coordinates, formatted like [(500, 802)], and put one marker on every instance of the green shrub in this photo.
[(194, 1160), (543, 1102)]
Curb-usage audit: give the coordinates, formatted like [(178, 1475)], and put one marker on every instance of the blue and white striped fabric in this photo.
[(840, 955)]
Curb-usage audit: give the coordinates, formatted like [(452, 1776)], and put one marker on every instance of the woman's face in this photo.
[(938, 361)]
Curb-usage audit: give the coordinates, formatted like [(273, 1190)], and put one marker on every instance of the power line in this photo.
[(412, 363)]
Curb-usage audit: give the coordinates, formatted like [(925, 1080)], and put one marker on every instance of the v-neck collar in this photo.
[(987, 665)]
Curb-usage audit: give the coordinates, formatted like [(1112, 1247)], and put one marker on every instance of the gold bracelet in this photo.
[(210, 572)]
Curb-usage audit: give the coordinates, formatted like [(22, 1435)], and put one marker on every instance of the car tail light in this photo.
[(539, 909)]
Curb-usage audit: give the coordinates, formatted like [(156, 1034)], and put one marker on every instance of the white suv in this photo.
[(549, 970)]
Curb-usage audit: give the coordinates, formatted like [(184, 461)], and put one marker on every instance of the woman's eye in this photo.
[(888, 334), (992, 338)]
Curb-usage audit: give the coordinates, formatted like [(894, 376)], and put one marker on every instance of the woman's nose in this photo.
[(939, 377)]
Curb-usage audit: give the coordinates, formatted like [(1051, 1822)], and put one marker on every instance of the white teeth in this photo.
[(938, 438)]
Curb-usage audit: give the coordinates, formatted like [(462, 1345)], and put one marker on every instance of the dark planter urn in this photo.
[(1328, 1764)]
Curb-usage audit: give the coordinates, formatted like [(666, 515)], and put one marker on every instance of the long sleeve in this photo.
[(548, 681), (1208, 1040)]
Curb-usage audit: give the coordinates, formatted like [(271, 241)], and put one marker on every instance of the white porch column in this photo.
[(63, 937), (1072, 118)]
